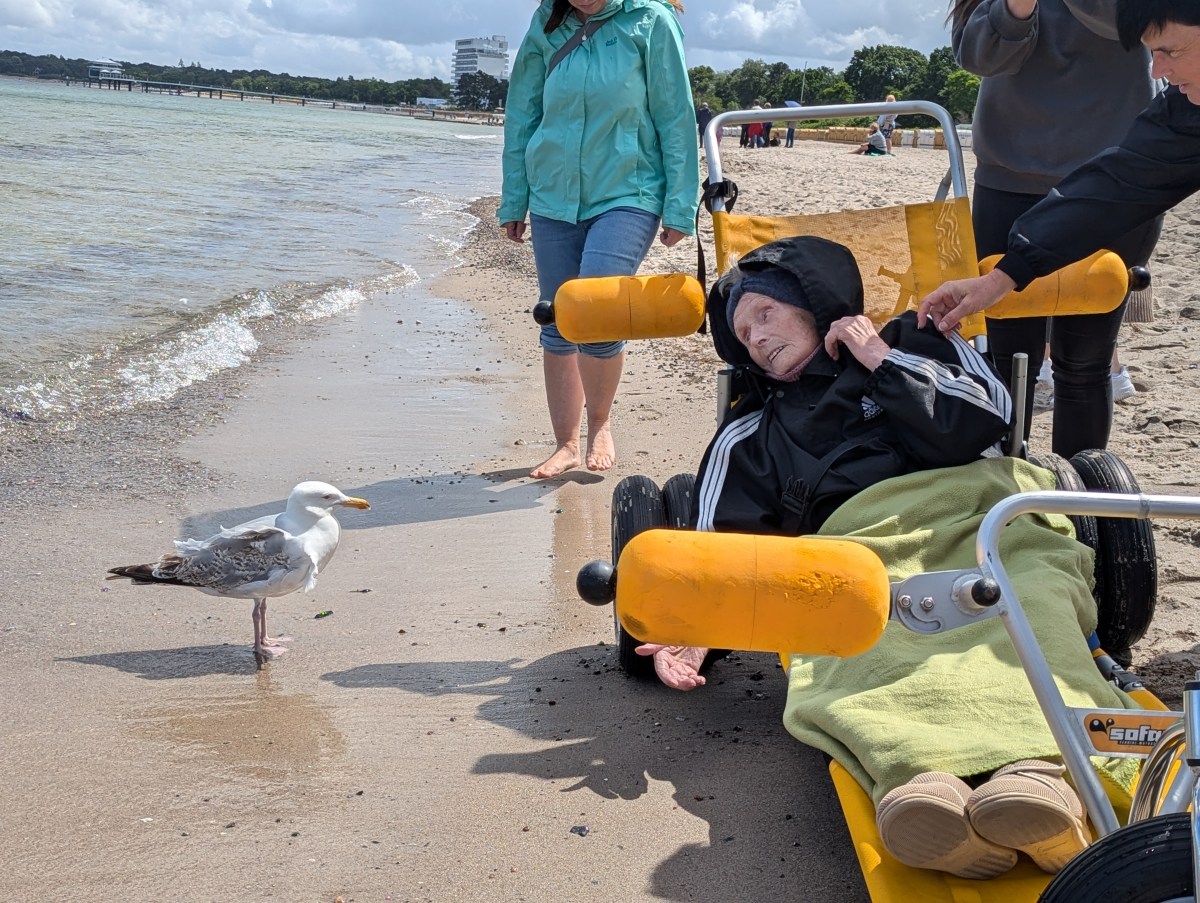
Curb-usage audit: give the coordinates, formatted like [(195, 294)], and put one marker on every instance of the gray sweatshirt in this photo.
[(1057, 88)]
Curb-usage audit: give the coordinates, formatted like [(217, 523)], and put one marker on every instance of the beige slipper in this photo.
[(1029, 807), (924, 825)]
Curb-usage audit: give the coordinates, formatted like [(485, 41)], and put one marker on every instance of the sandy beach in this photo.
[(457, 728)]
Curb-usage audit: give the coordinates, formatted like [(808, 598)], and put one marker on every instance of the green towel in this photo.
[(957, 701)]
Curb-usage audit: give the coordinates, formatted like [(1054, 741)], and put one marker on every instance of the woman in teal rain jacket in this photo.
[(599, 150)]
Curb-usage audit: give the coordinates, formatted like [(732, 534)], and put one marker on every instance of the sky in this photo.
[(401, 39)]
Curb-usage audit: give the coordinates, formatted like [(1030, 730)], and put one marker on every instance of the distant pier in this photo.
[(123, 82)]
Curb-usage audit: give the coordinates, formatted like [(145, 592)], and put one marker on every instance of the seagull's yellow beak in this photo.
[(352, 502)]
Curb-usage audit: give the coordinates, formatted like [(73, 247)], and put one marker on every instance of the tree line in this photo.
[(348, 89), (872, 74)]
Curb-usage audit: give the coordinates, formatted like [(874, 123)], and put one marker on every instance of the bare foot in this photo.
[(269, 650), (276, 642), (676, 666), (601, 453), (564, 458)]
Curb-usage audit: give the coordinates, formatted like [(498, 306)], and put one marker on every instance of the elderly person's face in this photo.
[(778, 336), (1175, 55)]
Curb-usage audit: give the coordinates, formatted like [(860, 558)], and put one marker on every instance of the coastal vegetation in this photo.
[(872, 74)]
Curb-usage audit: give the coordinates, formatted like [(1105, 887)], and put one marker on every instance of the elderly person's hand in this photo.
[(678, 667), (859, 336), (947, 305)]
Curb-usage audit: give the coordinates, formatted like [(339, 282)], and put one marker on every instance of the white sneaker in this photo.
[(1046, 373), (1122, 385)]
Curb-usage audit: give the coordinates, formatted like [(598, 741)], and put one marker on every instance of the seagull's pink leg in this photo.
[(263, 642)]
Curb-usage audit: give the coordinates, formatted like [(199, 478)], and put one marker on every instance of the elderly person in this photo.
[(892, 439), (836, 407)]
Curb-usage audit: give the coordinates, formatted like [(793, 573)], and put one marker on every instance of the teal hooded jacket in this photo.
[(612, 126)]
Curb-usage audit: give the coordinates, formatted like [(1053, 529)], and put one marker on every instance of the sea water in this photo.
[(147, 240)]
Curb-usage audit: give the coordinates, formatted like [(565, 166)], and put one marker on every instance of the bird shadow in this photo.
[(723, 751), (177, 664), (413, 500)]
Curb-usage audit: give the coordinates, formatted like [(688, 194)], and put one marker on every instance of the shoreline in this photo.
[(464, 117)]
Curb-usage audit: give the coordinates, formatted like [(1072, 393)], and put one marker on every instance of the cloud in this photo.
[(399, 39)]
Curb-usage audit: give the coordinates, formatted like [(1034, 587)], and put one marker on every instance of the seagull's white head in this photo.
[(314, 495)]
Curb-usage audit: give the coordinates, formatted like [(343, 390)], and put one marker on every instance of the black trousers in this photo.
[(1080, 346)]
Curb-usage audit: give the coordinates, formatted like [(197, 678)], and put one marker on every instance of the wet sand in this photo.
[(457, 728)]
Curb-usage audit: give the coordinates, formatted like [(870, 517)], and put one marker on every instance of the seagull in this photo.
[(265, 557)]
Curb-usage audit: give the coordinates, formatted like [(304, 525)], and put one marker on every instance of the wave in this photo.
[(152, 370)]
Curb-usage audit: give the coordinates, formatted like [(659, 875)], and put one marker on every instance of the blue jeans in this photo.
[(611, 244)]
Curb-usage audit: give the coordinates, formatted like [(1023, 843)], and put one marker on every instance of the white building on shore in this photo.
[(489, 55)]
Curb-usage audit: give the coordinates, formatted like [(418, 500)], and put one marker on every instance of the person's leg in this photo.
[(600, 377), (617, 242), (1083, 349), (564, 399), (992, 213), (557, 250)]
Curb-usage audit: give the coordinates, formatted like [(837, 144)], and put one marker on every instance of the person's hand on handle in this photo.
[(959, 298), (670, 237), (515, 231)]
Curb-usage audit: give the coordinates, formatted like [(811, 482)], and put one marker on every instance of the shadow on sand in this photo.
[(767, 800), (413, 500), (175, 664)]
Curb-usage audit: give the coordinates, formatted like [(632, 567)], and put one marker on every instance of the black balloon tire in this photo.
[(637, 505), (1148, 861), (677, 500), (1126, 558), (1087, 531)]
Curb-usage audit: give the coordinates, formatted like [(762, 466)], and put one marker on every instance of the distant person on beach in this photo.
[(754, 131), (875, 145), (1033, 126), (887, 123), (1155, 167), (599, 150), (703, 117)]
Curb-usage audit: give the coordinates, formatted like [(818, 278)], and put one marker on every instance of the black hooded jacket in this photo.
[(1154, 168), (788, 454)]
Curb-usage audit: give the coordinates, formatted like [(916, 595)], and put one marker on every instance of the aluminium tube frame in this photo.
[(712, 150), (987, 549)]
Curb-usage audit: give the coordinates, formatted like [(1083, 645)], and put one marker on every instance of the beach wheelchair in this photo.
[(822, 596)]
